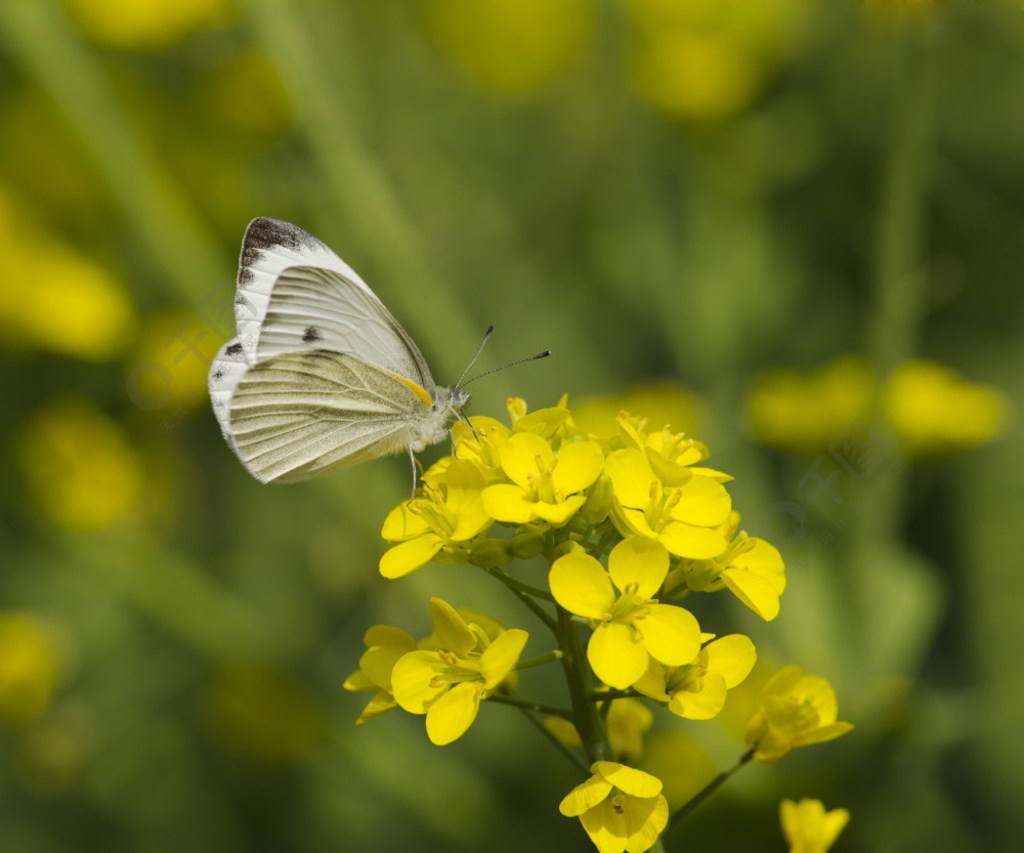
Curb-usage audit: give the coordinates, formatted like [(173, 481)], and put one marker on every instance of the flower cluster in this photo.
[(628, 526)]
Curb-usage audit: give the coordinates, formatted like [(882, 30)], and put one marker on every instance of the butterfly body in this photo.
[(320, 376)]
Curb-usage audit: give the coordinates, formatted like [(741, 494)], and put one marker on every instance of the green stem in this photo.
[(547, 657), (611, 695), (526, 594), (586, 715), (530, 705), (708, 790)]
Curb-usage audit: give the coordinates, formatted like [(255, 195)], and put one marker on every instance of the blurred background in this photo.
[(794, 228)]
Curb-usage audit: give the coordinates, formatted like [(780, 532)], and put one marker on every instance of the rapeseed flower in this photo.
[(750, 568), (632, 627), (385, 644), (444, 517), (808, 827), (29, 668), (447, 683), (697, 690), (796, 710), (621, 808)]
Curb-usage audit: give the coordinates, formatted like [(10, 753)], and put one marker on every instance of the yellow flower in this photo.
[(934, 411), (546, 485), (808, 827), (805, 412), (661, 404), (697, 690), (621, 808), (512, 47), (448, 683), (796, 710), (481, 445), (28, 668), (79, 465), (750, 568), (631, 627), (385, 644), (446, 518), (706, 61), (63, 301), (153, 25), (683, 516)]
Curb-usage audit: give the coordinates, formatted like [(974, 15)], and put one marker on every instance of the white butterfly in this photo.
[(321, 376)]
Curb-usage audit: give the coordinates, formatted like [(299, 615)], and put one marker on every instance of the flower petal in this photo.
[(453, 713), (405, 557), (579, 464), (641, 561), (584, 796), (629, 780), (505, 502), (501, 656), (615, 655), (671, 634), (695, 543), (581, 585), (631, 477), (412, 680), (703, 704), (732, 657)]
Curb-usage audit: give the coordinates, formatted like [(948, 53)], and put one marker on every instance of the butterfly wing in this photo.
[(297, 415)]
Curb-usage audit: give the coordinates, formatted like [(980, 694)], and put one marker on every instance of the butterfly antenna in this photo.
[(472, 361), (544, 354)]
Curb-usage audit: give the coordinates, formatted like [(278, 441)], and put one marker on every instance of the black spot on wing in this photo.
[(311, 335), (234, 349), (265, 234), (218, 374)]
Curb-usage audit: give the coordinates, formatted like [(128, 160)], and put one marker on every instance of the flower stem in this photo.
[(708, 790), (529, 705), (547, 657), (527, 594), (586, 714)]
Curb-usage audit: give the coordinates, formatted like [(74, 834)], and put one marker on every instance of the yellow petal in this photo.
[(405, 557), (579, 465), (450, 629), (453, 713), (694, 543), (671, 634), (703, 704), (732, 657), (521, 454), (615, 655), (506, 502), (501, 656), (639, 561), (412, 679), (629, 780), (584, 796), (580, 584)]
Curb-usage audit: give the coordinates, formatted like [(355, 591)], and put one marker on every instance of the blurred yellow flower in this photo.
[(57, 298), (661, 404), (512, 47), (933, 410), (808, 827), (28, 668), (705, 61), (149, 25), (169, 366), (79, 465), (796, 710), (804, 412)]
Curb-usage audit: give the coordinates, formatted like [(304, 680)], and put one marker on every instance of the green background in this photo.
[(796, 182)]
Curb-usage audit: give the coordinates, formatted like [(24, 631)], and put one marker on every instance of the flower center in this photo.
[(658, 511), (542, 483)]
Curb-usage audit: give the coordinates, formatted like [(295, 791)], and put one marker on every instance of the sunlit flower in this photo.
[(153, 25), (808, 827), (446, 517), (28, 668), (683, 517), (796, 710), (385, 644), (751, 568), (546, 485), (805, 412), (661, 404), (80, 466), (512, 46), (697, 690), (621, 808), (448, 683), (934, 411), (631, 627)]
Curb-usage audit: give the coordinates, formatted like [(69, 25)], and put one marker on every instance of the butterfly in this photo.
[(320, 375)]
